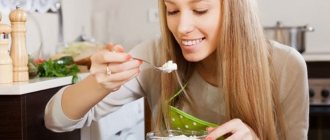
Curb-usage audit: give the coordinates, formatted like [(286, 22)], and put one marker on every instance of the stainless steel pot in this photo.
[(293, 36)]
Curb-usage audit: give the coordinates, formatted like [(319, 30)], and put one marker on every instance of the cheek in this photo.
[(171, 24), (212, 28)]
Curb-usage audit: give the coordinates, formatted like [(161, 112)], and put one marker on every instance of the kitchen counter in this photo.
[(22, 106), (312, 57), (36, 84)]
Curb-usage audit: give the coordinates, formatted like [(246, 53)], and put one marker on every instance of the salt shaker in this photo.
[(6, 65), (18, 50)]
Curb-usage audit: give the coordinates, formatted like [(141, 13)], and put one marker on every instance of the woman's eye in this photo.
[(172, 12), (200, 12)]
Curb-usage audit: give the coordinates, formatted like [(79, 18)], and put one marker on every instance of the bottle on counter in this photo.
[(18, 50), (6, 65)]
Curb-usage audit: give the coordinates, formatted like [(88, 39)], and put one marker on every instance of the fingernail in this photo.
[(209, 138), (128, 57), (121, 49), (209, 129)]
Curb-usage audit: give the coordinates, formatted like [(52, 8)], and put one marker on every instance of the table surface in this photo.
[(36, 84)]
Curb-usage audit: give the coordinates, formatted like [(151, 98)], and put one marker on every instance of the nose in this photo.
[(185, 24)]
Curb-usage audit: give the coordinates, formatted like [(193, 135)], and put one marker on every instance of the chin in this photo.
[(193, 57)]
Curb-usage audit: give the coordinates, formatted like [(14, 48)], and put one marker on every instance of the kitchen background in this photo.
[(129, 22)]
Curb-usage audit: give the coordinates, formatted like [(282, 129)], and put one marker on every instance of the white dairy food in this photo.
[(183, 137), (169, 66)]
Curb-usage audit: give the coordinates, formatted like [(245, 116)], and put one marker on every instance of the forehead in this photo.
[(183, 0), (189, 1)]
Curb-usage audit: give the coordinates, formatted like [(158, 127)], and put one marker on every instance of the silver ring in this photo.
[(115, 89), (108, 71)]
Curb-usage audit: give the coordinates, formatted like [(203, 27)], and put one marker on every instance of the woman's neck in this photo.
[(207, 68)]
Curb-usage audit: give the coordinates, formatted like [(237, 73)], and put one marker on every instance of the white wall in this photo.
[(124, 21), (77, 14), (301, 12)]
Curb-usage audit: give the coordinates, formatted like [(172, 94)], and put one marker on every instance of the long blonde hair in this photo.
[(245, 71)]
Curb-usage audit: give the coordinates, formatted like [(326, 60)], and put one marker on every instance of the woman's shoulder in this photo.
[(284, 56), (290, 70)]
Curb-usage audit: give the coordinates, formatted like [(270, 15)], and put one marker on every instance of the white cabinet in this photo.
[(126, 123)]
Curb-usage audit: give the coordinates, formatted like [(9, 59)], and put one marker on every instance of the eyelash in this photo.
[(200, 12), (172, 12), (195, 11)]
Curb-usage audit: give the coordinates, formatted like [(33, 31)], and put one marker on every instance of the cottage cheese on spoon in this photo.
[(169, 66)]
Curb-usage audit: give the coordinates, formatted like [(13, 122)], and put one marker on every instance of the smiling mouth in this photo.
[(190, 42)]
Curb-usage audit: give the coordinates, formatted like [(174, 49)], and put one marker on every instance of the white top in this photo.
[(290, 69)]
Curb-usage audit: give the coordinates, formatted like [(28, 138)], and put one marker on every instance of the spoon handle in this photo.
[(155, 67)]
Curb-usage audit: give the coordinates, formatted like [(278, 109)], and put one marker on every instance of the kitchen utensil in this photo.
[(6, 65), (18, 51), (168, 67), (153, 66), (293, 36), (183, 120)]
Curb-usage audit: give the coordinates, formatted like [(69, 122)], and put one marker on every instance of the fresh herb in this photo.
[(59, 68)]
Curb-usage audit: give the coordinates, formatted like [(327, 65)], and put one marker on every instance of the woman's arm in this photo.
[(81, 97), (68, 109), (295, 96), (77, 99)]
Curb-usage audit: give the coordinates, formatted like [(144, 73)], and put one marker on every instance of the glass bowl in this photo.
[(176, 135)]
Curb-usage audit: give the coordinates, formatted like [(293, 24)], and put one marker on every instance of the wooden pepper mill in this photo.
[(6, 65), (18, 50)]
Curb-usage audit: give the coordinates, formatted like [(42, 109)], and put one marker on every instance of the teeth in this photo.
[(191, 42)]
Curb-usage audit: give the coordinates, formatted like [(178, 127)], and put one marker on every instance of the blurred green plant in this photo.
[(61, 67)]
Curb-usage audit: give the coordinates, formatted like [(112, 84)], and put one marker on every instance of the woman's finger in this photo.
[(98, 68), (118, 48), (114, 85), (122, 76), (210, 129), (114, 47), (107, 57), (119, 67), (238, 136), (229, 127)]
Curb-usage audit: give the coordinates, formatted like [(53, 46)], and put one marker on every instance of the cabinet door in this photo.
[(22, 118), (35, 106), (11, 118)]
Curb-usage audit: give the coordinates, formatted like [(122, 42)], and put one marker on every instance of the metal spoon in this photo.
[(155, 67)]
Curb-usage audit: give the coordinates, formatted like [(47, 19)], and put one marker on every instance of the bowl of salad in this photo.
[(176, 135)]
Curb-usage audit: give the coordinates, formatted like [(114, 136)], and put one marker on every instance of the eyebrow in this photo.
[(190, 1)]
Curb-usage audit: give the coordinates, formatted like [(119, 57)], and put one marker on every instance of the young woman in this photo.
[(251, 88)]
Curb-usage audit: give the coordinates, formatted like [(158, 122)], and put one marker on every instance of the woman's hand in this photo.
[(235, 129), (112, 67)]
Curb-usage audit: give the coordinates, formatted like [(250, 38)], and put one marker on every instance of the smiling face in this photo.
[(194, 24)]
